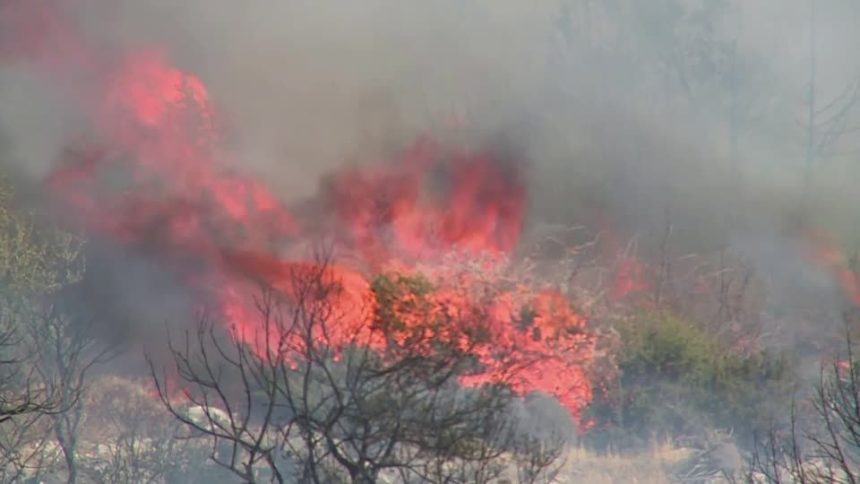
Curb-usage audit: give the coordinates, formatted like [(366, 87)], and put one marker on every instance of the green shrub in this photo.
[(34, 260), (677, 380)]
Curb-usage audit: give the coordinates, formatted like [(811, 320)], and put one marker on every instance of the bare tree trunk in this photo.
[(66, 430), (812, 107)]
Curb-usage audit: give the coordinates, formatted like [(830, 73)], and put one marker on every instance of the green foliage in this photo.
[(677, 380), (397, 296), (32, 260), (34, 263)]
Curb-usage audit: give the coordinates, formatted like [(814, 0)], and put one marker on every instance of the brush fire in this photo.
[(451, 215), (424, 307)]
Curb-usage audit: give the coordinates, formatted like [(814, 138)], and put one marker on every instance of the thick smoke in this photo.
[(630, 111), (305, 87)]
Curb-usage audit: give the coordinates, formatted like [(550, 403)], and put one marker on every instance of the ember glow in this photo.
[(155, 177), (823, 250)]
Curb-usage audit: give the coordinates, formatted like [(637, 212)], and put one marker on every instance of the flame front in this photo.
[(157, 180)]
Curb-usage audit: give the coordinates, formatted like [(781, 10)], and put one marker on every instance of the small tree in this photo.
[(292, 402), (822, 442), (67, 351), (24, 401), (34, 264), (128, 436)]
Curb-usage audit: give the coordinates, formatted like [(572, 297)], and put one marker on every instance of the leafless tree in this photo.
[(539, 459), (66, 351), (821, 444), (827, 120), (19, 392), (298, 404), (128, 436), (25, 399)]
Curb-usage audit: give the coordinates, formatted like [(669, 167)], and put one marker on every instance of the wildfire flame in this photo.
[(158, 180), (823, 250)]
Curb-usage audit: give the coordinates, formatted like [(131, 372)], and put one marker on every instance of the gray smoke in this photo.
[(684, 111)]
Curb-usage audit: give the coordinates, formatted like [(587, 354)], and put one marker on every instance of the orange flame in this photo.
[(161, 184), (823, 250)]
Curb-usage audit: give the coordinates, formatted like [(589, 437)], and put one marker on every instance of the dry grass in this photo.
[(649, 467)]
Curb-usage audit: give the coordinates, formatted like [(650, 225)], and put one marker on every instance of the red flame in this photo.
[(163, 185), (629, 275), (823, 250), (387, 211)]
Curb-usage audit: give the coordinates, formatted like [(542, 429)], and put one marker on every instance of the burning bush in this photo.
[(299, 399), (433, 211), (400, 355)]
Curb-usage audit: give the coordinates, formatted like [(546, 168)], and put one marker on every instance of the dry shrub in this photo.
[(129, 437)]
